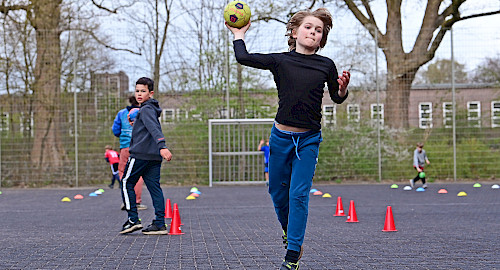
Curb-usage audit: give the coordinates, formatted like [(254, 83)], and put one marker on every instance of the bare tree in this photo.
[(151, 20), (488, 71), (44, 16), (440, 72), (402, 66), (41, 22)]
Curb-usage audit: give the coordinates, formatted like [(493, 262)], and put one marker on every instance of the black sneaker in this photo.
[(111, 186), (153, 229), (286, 265), (130, 226)]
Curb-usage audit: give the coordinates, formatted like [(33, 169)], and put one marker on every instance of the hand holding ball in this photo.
[(237, 14)]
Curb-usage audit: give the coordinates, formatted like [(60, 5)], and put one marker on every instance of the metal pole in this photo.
[(210, 162), (1, 158), (378, 109), (453, 108), (75, 109), (227, 76)]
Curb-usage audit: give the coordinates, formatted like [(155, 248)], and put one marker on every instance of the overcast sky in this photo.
[(474, 39)]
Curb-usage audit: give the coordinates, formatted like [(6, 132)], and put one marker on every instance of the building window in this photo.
[(377, 112), (4, 121), (71, 123), (195, 115), (495, 114), (168, 115), (474, 113), (181, 114), (249, 113), (447, 114), (224, 115), (353, 113), (329, 115), (26, 125), (425, 115), (265, 111)]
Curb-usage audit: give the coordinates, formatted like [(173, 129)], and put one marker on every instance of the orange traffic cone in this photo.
[(352, 217), (389, 221), (340, 208), (168, 209), (175, 225)]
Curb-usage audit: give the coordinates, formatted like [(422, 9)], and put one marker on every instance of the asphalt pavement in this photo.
[(235, 227)]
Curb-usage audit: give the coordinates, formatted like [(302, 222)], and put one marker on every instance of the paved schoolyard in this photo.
[(234, 227)]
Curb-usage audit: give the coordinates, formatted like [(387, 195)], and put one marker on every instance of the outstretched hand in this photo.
[(343, 81), (239, 33)]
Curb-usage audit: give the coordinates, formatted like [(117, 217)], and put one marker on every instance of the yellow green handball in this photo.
[(237, 14)]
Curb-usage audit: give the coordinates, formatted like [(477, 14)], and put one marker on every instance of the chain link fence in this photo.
[(54, 124)]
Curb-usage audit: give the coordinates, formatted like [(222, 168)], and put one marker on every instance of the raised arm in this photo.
[(255, 60)]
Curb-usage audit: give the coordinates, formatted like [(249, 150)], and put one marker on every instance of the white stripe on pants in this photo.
[(124, 182)]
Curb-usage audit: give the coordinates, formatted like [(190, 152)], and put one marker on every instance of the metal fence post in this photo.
[(454, 108), (75, 110), (378, 109)]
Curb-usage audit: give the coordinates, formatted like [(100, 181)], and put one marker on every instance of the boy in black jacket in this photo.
[(147, 148)]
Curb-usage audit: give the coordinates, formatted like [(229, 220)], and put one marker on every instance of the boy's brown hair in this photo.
[(108, 147), (321, 13), (421, 145)]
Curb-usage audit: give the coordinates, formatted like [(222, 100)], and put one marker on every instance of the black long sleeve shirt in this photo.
[(300, 80)]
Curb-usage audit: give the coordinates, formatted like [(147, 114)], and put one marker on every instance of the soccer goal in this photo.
[(232, 150)]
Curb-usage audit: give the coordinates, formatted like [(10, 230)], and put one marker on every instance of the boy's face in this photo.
[(142, 93), (419, 148), (309, 33)]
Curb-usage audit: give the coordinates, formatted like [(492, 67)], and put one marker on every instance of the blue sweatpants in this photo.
[(150, 172), (292, 162)]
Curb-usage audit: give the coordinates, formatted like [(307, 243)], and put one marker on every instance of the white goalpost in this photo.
[(232, 150)]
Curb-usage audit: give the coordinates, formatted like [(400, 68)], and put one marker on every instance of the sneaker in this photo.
[(141, 207), (286, 265), (412, 183), (424, 185), (285, 239), (130, 226), (153, 229), (111, 186)]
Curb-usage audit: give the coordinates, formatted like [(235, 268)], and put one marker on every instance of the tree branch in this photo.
[(368, 23), (267, 19), (92, 34), (312, 4), (5, 9), (478, 15), (115, 11)]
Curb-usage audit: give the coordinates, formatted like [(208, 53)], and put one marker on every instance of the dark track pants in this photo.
[(292, 162), (150, 172)]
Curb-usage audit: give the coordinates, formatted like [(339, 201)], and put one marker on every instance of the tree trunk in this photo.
[(47, 153), (400, 76)]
